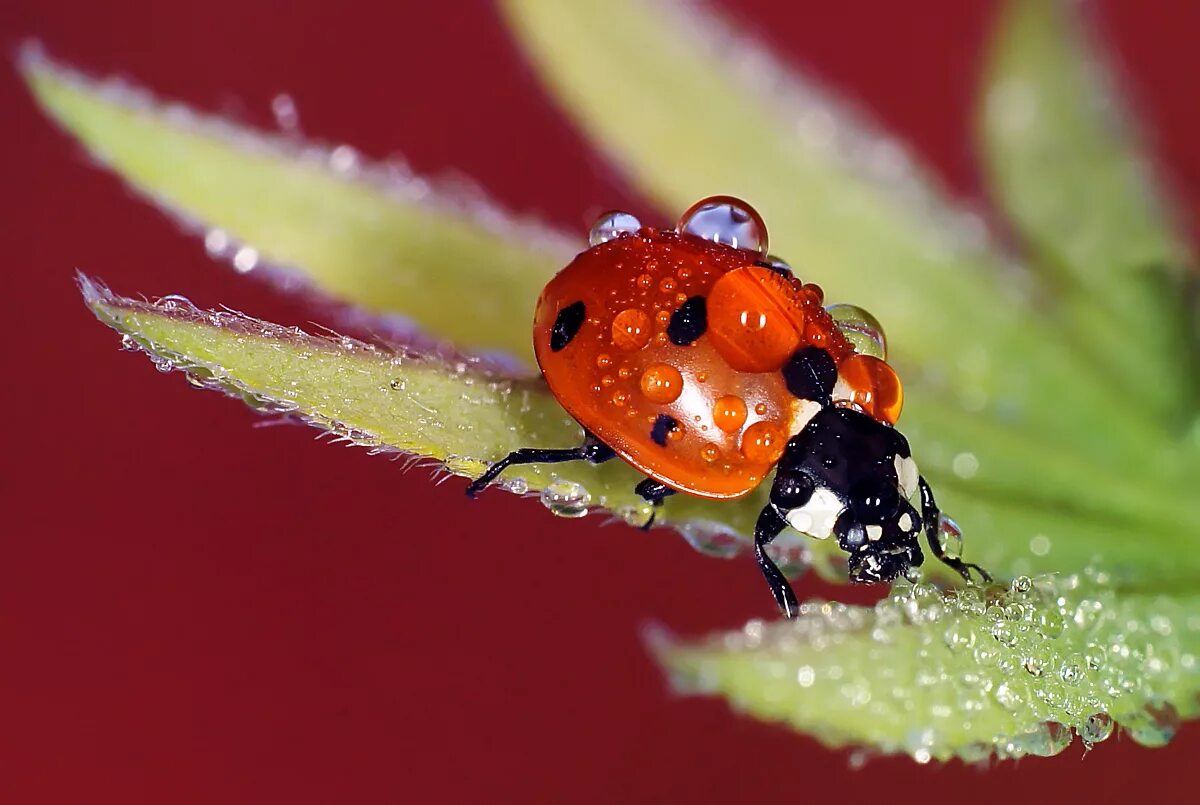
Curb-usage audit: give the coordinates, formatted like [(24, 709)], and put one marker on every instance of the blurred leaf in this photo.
[(996, 381), (373, 236), (1081, 194), (967, 674)]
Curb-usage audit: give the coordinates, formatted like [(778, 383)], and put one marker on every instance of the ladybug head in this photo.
[(850, 476), (880, 551)]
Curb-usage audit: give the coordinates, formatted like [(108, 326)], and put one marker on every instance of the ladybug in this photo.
[(707, 365)]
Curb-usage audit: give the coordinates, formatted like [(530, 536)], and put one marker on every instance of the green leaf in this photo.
[(968, 674), (1080, 192), (373, 236), (456, 414)]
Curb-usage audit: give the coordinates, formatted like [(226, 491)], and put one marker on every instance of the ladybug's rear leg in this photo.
[(592, 451), (932, 522), (653, 492)]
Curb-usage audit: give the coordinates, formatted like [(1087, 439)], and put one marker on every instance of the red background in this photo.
[(194, 610)]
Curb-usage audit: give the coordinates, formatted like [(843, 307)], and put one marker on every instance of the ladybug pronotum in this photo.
[(706, 365)]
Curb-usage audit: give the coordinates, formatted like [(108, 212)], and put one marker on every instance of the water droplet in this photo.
[(970, 600), (287, 117), (129, 343), (631, 329), (1034, 666), (216, 242), (1050, 622), (661, 383), (245, 259), (1048, 740), (1155, 725), (861, 329), (729, 412), (778, 265), (1095, 656), (611, 225), (763, 442), (343, 159), (176, 303), (965, 465), (566, 498), (1095, 728), (1072, 671), (636, 514), (959, 636), (1039, 545), (950, 536), (1021, 585), (712, 538), (727, 220), (1008, 698)]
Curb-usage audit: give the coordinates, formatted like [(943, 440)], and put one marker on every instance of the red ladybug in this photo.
[(706, 364)]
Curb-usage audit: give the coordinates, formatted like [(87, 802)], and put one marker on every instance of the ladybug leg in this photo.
[(652, 491), (769, 524), (592, 451), (931, 516)]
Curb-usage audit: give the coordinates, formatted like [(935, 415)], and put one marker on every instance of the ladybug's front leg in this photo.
[(932, 517), (769, 524), (592, 451)]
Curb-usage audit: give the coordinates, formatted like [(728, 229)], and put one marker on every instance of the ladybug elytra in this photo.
[(707, 365)]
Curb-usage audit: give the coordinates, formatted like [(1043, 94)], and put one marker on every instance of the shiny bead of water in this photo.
[(612, 225), (1050, 622), (862, 330), (712, 539), (1022, 585), (1095, 728), (1049, 740), (1095, 656), (959, 636), (1008, 698), (727, 220), (566, 498), (950, 537), (970, 600), (1072, 671)]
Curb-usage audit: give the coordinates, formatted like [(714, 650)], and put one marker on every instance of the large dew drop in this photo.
[(951, 537), (612, 225), (566, 498), (862, 330), (727, 220)]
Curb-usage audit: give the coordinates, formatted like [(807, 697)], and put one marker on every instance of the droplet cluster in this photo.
[(1002, 670)]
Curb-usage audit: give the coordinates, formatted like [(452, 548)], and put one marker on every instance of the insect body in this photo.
[(707, 365)]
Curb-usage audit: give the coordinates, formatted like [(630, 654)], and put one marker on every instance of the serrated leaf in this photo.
[(373, 236), (464, 417), (1064, 164), (456, 414), (968, 674)]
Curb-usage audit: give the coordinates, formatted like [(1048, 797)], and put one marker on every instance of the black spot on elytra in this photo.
[(688, 322), (566, 325), (810, 374), (663, 425)]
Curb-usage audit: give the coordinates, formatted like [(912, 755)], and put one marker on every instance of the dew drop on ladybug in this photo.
[(726, 220), (709, 367)]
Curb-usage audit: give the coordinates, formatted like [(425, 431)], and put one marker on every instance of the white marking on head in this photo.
[(905, 522), (906, 474), (816, 517), (874, 532)]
